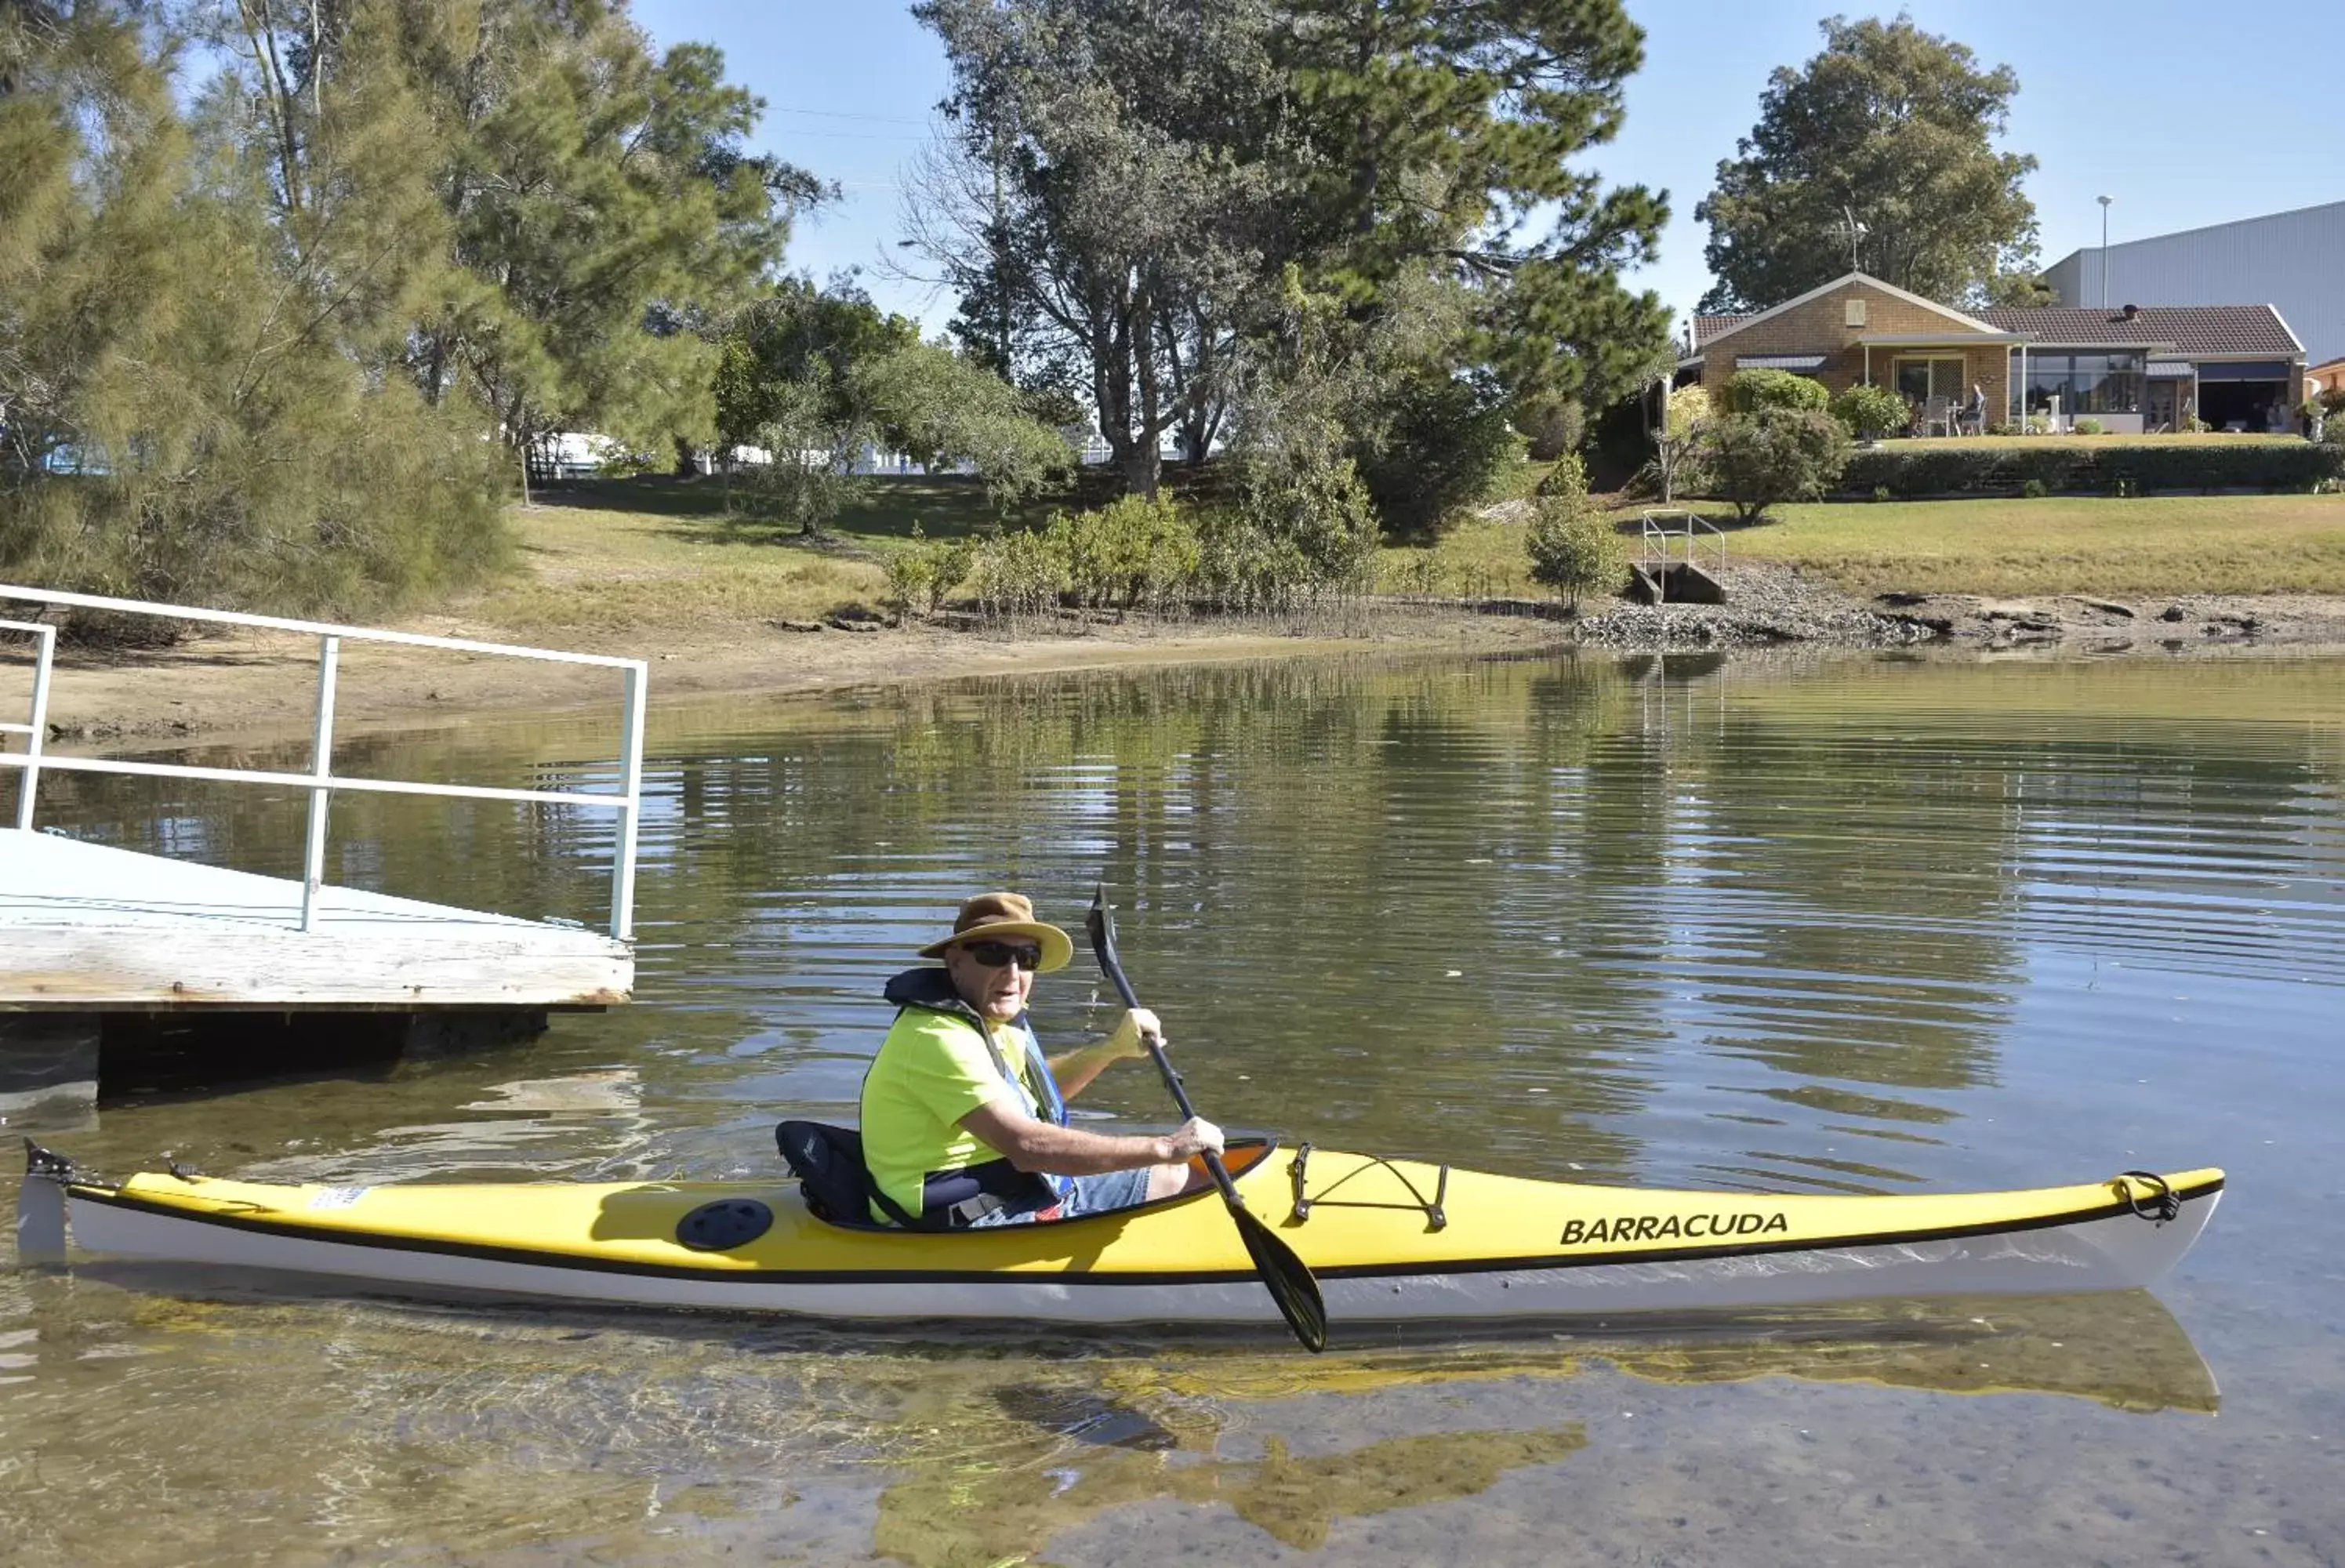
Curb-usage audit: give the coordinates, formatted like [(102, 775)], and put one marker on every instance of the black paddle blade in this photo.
[(1289, 1280)]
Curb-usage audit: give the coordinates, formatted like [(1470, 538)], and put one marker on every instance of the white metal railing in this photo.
[(1657, 550), (321, 780)]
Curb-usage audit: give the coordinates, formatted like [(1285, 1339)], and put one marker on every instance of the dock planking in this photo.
[(88, 927)]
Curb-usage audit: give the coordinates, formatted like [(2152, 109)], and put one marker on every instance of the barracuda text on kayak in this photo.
[(1670, 1227)]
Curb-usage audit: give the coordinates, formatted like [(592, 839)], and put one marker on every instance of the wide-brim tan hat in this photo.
[(998, 917)]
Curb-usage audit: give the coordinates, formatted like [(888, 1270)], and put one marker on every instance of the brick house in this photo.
[(2134, 369), (2328, 378)]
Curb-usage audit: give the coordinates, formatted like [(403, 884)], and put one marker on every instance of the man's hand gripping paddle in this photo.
[(1289, 1281)]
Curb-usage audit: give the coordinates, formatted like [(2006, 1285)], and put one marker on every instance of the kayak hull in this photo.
[(1492, 1248)]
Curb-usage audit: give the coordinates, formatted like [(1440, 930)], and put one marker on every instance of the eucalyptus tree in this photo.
[(1104, 201), (1879, 155)]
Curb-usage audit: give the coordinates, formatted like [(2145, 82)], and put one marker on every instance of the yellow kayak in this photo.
[(1389, 1241)]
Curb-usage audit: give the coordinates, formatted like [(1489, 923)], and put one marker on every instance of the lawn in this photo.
[(2180, 438), (616, 558), (2065, 544), (621, 557), (2060, 545)]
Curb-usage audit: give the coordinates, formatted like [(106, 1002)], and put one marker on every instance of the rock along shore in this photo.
[(1768, 606)]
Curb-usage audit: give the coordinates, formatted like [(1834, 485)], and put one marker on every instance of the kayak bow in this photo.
[(1390, 1240)]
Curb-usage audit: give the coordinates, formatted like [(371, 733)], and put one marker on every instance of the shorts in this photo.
[(1090, 1195)]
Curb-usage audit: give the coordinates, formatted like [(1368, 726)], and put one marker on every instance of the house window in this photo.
[(1921, 382), (2085, 383)]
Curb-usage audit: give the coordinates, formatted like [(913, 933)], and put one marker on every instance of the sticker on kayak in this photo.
[(337, 1197), (1669, 1227)]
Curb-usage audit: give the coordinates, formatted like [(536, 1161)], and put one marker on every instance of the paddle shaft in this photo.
[(1283, 1274), (1213, 1166)]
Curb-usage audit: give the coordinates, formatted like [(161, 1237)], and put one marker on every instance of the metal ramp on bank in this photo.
[(92, 935), (1680, 559)]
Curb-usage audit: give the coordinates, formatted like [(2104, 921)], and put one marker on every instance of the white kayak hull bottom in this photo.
[(2117, 1251)]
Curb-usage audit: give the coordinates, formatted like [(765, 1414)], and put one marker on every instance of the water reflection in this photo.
[(1869, 926), (502, 1425)]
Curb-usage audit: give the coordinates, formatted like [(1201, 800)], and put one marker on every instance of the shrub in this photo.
[(1133, 549), (1756, 460), (2033, 489), (907, 577), (1442, 447), (1573, 546), (1017, 573), (1675, 444), (1243, 565), (1551, 427), (1758, 391), (2089, 427), (1883, 492), (1306, 526), (1957, 468), (1871, 412), (923, 570)]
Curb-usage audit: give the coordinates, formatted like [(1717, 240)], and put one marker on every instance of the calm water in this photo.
[(1866, 924)]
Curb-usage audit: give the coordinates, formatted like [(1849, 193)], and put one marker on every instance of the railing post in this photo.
[(28, 778), (631, 789), (322, 768)]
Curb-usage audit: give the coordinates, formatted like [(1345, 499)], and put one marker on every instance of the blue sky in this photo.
[(2187, 112)]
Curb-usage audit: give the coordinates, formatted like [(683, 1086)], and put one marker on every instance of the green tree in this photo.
[(1572, 545), (1677, 439), (1103, 201), (601, 206), (944, 409), (1889, 128), (1871, 412), (1757, 460), (1455, 137), (813, 375), (200, 333), (1756, 391)]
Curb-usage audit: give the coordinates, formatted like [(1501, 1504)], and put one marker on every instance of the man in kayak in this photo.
[(965, 1123)]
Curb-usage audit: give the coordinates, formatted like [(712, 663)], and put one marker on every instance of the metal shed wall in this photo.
[(2293, 261)]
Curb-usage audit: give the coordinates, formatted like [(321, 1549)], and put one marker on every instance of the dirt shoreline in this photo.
[(261, 687)]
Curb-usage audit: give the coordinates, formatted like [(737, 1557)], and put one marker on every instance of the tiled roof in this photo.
[(2191, 329), (1705, 327)]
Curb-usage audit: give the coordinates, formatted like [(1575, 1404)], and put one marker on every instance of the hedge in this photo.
[(2120, 468)]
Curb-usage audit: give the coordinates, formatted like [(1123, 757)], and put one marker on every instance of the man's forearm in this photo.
[(1075, 1069), (1049, 1149)]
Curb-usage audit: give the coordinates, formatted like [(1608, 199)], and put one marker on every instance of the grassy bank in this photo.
[(2078, 544), (603, 560)]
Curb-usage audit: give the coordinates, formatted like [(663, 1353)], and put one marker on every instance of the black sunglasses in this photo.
[(1028, 955)]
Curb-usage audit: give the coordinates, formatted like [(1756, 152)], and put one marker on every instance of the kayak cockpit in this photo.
[(838, 1191)]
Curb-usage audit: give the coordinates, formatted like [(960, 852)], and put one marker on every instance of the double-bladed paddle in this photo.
[(1289, 1281)]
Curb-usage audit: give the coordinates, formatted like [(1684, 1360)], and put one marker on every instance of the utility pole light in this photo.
[(2104, 201), (1855, 233)]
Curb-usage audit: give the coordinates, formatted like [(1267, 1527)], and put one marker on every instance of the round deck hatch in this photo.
[(727, 1223)]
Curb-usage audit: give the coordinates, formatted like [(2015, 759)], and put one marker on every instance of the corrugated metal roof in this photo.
[(1778, 361), (2192, 329)]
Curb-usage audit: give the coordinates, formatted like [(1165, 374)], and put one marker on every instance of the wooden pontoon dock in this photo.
[(101, 946), (87, 927)]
